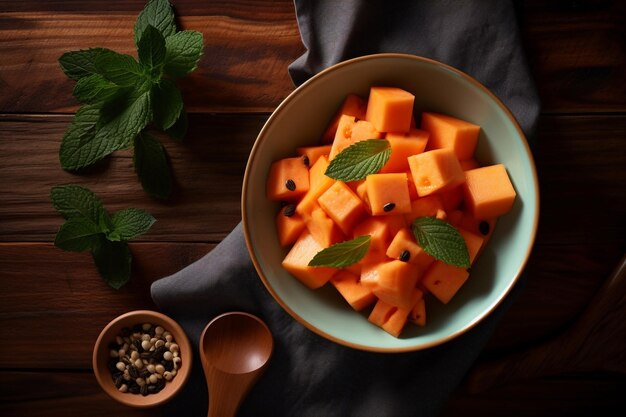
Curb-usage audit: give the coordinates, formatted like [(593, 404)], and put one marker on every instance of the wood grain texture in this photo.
[(60, 393), (576, 51), (576, 396), (575, 156), (208, 168), (248, 45), (57, 303)]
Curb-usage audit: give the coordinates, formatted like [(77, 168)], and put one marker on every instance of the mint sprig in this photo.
[(359, 160), (342, 254), (123, 96), (441, 240), (89, 227)]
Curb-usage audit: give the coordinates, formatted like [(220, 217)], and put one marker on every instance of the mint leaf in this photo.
[(113, 261), (359, 160), (77, 235), (95, 89), (157, 13), (152, 166), (76, 202), (184, 50), (151, 50), (167, 103), (120, 69), (92, 137), (441, 240), (130, 223), (119, 129), (342, 254), (82, 131), (79, 64), (179, 128)]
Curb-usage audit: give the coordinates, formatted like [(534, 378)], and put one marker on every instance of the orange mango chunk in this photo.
[(350, 132), (418, 313), (289, 228), (396, 280), (322, 228), (482, 228), (473, 242), (391, 318), (451, 199), (343, 206), (313, 153), (388, 194), (444, 280), (405, 241), (377, 229), (297, 260), (450, 132), (356, 294), (404, 145), (395, 223), (318, 183), (390, 109), (353, 106), (468, 164), (488, 191), (424, 206), (288, 179), (435, 171)]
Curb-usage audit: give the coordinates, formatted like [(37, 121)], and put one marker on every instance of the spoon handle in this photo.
[(226, 391)]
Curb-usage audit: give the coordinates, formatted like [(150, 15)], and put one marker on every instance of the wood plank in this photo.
[(50, 289), (62, 287), (248, 45), (579, 395), (60, 393), (57, 392), (208, 168), (575, 49), (580, 162), (577, 53)]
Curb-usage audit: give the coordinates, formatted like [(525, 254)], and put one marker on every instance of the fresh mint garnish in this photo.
[(359, 160), (441, 240), (159, 14), (90, 227), (342, 254), (183, 53), (122, 95), (152, 167)]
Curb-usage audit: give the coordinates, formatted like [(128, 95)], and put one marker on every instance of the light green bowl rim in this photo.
[(308, 84)]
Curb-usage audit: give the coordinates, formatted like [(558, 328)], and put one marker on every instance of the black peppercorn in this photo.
[(483, 227), (289, 210), (388, 207)]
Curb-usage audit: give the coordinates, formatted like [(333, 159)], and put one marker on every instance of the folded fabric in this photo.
[(308, 375)]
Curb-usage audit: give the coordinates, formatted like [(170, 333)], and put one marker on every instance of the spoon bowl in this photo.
[(235, 349)]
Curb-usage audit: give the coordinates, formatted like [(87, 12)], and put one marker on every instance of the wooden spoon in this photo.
[(235, 349)]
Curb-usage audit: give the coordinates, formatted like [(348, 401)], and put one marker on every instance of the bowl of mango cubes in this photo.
[(390, 203)]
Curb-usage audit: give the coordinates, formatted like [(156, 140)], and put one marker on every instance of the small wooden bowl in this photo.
[(101, 357)]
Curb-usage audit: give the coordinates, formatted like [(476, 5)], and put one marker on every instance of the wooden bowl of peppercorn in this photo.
[(142, 358)]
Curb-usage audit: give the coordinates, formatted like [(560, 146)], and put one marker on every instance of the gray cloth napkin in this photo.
[(308, 375)]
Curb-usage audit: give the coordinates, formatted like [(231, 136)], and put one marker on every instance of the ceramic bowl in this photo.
[(101, 358), (300, 121)]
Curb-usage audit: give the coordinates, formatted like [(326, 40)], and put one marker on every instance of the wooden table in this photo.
[(53, 303)]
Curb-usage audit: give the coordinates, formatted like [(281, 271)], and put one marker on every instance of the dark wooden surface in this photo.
[(53, 304)]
